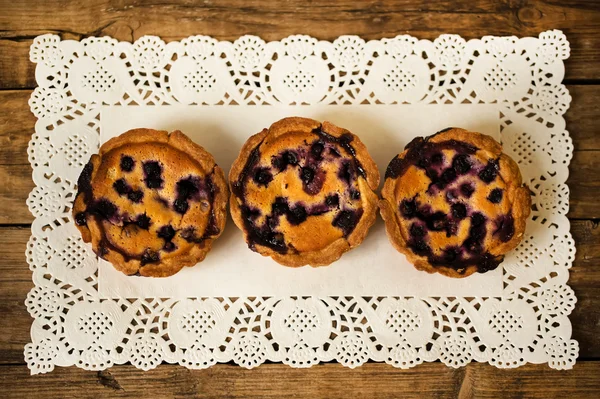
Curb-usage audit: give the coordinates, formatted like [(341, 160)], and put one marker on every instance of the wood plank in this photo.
[(15, 283), (14, 286), (15, 186), (325, 381), (17, 123), (128, 20), (584, 279), (16, 71), (21, 21), (584, 185), (582, 117)]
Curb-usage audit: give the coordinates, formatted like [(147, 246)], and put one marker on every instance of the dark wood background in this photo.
[(21, 21)]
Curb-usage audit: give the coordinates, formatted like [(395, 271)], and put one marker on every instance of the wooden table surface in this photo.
[(21, 21)]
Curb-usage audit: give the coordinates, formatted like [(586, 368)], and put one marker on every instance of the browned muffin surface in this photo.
[(453, 203), (151, 202), (302, 192)]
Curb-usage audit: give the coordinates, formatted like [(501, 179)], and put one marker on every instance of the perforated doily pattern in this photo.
[(74, 326)]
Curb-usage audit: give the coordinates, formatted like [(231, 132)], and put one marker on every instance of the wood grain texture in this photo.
[(431, 380), (15, 186), (17, 125), (585, 281), (21, 21), (584, 185), (128, 20), (16, 71), (15, 283), (582, 117)]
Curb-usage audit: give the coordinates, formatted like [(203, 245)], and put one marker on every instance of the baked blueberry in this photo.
[(149, 257), (459, 210), (121, 187), (104, 209), (437, 203), (437, 158), (448, 176), (153, 174), (451, 195), (467, 189), (263, 176), (417, 230), (291, 158), (297, 215), (143, 188), (80, 219), (84, 180), (181, 206), (320, 193), (127, 163), (495, 196), (472, 245), (280, 206), (287, 158), (436, 221), (420, 247), (307, 175), (188, 188), (169, 247), (143, 221), (489, 173), (166, 232), (345, 173), (461, 164), (451, 254), (477, 219), (317, 149), (135, 195), (332, 200), (505, 227), (408, 208), (347, 220)]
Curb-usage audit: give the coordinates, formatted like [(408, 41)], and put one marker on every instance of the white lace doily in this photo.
[(74, 326)]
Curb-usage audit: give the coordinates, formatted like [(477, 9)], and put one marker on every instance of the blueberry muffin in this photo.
[(303, 192), (151, 202), (453, 203)]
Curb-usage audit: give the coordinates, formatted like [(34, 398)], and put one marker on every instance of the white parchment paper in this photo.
[(231, 269)]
